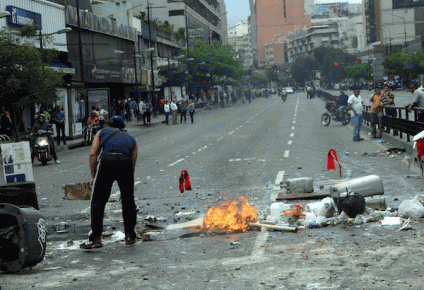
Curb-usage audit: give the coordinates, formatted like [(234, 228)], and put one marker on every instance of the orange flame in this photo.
[(230, 216)]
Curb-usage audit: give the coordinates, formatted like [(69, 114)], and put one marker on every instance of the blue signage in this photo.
[(403, 4), (22, 17)]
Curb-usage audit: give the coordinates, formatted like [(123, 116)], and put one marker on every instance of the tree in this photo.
[(407, 65), (215, 61), (24, 78), (303, 69), (359, 71), (257, 80)]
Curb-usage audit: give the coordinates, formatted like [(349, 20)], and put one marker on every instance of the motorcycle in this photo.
[(333, 113), (42, 147), (90, 132)]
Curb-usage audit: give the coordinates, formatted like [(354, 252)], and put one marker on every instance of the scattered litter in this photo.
[(366, 186), (117, 236), (235, 243), (411, 209), (406, 226), (351, 203), (391, 221)]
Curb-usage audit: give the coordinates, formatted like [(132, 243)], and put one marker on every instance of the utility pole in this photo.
[(188, 49), (151, 53)]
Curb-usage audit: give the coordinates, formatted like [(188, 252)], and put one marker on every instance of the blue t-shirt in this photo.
[(122, 142), (149, 107)]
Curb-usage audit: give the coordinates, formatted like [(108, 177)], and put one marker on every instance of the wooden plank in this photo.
[(291, 196)]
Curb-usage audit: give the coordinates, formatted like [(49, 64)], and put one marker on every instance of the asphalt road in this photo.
[(238, 151)]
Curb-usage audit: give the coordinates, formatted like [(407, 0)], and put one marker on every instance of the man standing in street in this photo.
[(376, 113), (116, 162), (142, 111), (59, 119), (355, 106), (102, 116), (174, 111), (166, 109), (149, 109), (418, 92)]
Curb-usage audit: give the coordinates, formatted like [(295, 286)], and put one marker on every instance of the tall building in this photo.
[(202, 20), (238, 37), (274, 17), (253, 33)]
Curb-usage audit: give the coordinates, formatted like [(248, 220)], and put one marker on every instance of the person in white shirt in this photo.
[(166, 110), (355, 105), (142, 108), (101, 116), (174, 110)]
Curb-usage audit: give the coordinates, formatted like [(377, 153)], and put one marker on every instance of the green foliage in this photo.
[(285, 81), (24, 80), (407, 65), (177, 74), (180, 35), (257, 80), (303, 69), (358, 71)]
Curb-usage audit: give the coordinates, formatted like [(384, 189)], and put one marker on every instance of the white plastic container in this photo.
[(365, 186), (300, 185), (277, 209)]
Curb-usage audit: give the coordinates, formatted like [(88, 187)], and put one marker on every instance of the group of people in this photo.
[(380, 101), (182, 107)]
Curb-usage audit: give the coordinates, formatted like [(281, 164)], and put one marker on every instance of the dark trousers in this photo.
[(166, 118), (183, 115), (191, 116), (147, 115), (113, 167), (376, 119), (60, 128), (101, 123)]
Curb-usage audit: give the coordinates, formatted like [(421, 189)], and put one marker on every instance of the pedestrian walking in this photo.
[(113, 157), (142, 109), (174, 111), (58, 117), (376, 113), (149, 109), (183, 111), (190, 109), (102, 116), (128, 110), (133, 108), (166, 109), (355, 106)]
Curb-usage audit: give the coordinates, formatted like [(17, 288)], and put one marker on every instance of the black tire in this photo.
[(325, 119), (345, 118), (44, 162)]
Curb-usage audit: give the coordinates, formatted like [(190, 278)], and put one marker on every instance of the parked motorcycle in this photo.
[(90, 132), (333, 113), (42, 147)]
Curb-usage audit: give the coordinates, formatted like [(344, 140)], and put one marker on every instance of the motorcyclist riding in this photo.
[(43, 125), (342, 102)]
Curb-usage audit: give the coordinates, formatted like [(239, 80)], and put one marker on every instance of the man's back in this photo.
[(342, 100)]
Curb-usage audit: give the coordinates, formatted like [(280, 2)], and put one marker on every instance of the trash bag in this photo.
[(351, 203), (411, 208)]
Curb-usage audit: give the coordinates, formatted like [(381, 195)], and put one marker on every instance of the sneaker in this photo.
[(57, 161), (130, 239), (356, 139), (97, 243)]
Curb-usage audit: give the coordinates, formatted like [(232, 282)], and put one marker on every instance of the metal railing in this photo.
[(398, 119)]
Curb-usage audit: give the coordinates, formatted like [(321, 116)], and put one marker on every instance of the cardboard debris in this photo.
[(77, 191)]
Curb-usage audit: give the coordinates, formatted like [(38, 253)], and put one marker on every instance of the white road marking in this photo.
[(290, 142), (219, 139), (286, 153), (279, 178), (194, 153), (294, 122), (232, 132), (293, 127), (204, 147), (176, 162), (199, 150), (292, 135)]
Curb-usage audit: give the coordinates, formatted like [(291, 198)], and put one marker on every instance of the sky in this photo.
[(240, 10)]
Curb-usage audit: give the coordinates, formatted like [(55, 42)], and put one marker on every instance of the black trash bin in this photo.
[(22, 237), (20, 194)]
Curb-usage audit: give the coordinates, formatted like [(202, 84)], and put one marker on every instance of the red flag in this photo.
[(184, 181), (330, 161)]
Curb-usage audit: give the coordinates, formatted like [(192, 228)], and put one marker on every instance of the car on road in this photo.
[(289, 90)]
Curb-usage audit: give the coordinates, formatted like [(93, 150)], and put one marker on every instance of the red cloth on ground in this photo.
[(420, 148), (330, 161), (184, 181)]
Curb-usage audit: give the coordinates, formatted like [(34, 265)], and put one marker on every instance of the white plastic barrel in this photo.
[(365, 186)]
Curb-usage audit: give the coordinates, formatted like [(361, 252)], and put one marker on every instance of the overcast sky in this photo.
[(240, 10)]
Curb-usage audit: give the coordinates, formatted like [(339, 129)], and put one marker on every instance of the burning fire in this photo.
[(230, 216)]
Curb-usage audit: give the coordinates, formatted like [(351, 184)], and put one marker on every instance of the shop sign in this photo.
[(403, 4), (22, 17), (99, 24), (98, 74)]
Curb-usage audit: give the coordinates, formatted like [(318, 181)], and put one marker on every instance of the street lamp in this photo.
[(62, 31), (4, 14)]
